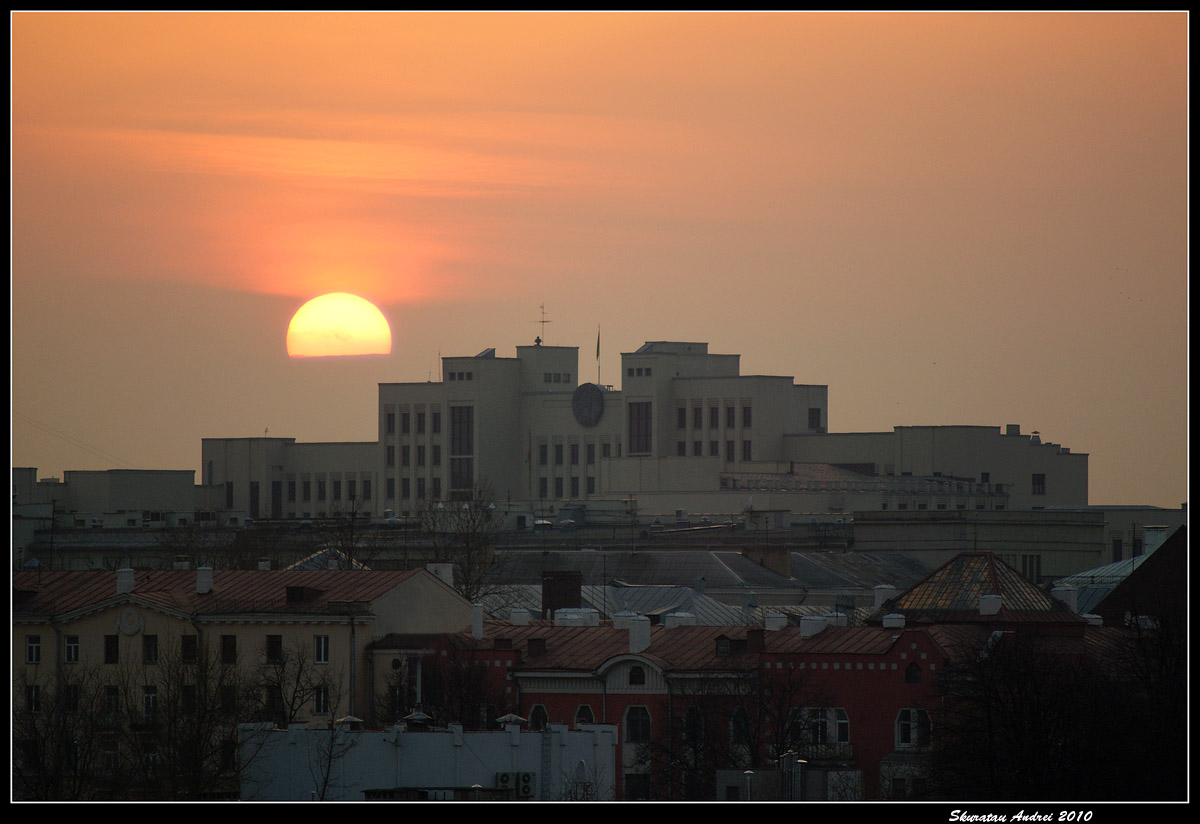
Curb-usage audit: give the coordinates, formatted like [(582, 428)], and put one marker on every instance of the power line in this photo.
[(73, 441)]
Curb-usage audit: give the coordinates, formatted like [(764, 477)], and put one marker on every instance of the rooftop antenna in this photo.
[(538, 340)]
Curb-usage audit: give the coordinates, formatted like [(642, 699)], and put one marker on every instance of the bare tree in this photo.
[(460, 688), (463, 533), (292, 686), (328, 749), (57, 736)]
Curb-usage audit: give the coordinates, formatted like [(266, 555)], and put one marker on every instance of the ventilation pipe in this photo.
[(639, 634), (1069, 595), (883, 594), (204, 580), (477, 621), (810, 625), (124, 581)]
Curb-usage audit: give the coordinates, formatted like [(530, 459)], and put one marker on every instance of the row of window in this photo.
[(560, 489), (556, 377), (433, 486), (408, 418), (714, 417), (638, 371), (571, 451), (352, 489), (714, 450), (406, 455), (808, 725), (460, 376), (188, 649)]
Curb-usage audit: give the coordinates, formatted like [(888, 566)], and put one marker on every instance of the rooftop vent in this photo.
[(639, 633), (519, 617), (883, 594), (774, 621), (679, 619), (893, 620), (810, 625)]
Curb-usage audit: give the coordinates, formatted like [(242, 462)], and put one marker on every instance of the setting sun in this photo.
[(338, 324)]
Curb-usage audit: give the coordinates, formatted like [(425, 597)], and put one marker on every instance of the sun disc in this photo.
[(338, 324)]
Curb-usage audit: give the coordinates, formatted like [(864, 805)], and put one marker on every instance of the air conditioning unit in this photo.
[(525, 785), (506, 781)]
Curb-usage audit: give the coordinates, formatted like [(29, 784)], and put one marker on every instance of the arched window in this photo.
[(637, 724), (637, 676), (912, 674), (537, 718), (583, 715)]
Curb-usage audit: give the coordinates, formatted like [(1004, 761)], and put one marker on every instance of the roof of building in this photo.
[(54, 592), (952, 592), (661, 567)]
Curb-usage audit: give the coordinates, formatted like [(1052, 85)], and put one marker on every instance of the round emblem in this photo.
[(588, 404), (129, 622)]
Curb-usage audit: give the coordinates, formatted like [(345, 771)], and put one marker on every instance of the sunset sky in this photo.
[(947, 218)]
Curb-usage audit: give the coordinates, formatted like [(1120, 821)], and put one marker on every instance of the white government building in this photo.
[(686, 437)]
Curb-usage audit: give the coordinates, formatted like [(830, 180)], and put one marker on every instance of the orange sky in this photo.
[(975, 219)]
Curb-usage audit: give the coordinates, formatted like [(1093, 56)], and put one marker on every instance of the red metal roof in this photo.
[(54, 592)]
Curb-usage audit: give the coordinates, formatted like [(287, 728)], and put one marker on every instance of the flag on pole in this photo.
[(597, 343)]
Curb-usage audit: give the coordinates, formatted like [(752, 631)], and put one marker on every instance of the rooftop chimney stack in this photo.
[(1069, 595), (989, 604), (204, 580), (883, 594), (477, 621), (639, 634), (124, 581)]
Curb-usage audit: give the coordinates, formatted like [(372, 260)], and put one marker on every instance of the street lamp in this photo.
[(749, 778)]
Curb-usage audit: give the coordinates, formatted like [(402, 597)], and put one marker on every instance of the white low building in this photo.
[(340, 763)]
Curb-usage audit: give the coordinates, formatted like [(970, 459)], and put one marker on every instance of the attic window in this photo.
[(637, 676)]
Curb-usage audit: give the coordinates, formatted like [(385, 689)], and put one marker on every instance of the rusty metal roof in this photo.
[(951, 594), (55, 592)]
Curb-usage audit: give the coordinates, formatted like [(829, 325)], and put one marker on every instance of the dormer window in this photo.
[(637, 676)]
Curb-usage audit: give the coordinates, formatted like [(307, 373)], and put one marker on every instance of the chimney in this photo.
[(810, 625), (883, 594), (477, 621), (124, 581), (893, 620), (519, 617), (679, 619), (639, 634), (836, 619), (204, 580), (756, 639), (989, 604), (774, 621), (1069, 595), (264, 564), (181, 562), (621, 620)]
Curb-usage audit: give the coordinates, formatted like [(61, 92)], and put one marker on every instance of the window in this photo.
[(187, 698), (1116, 548), (149, 649), (543, 454), (537, 718), (682, 413), (912, 674), (574, 454), (33, 649), (681, 448), (291, 491), (391, 456), (70, 697), (714, 449), (558, 487), (639, 427), (366, 489), (390, 423), (149, 703), (591, 454), (558, 454), (33, 698), (275, 649), (306, 490), (714, 417), (697, 448), (637, 724), (543, 488), (420, 456), (321, 649), (435, 423), (71, 650), (420, 487), (730, 417), (389, 488), (1039, 484), (112, 649), (320, 490), (320, 700), (583, 715), (404, 423), (913, 728), (436, 456), (591, 485), (745, 417), (697, 417), (814, 417), (637, 676), (405, 488), (188, 649), (229, 649), (730, 454), (420, 423), (437, 488), (405, 452), (746, 451)]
